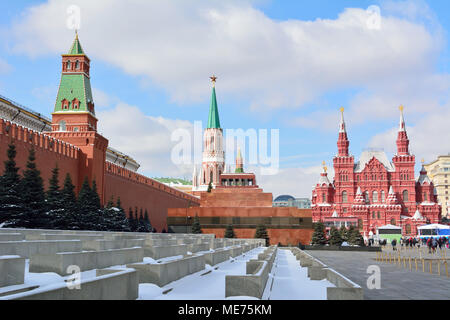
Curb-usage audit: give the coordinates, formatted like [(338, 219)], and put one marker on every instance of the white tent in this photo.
[(433, 226), (389, 227)]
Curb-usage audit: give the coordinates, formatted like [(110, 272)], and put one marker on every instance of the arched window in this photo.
[(211, 175), (405, 196), (425, 196), (375, 196), (68, 65), (77, 65), (393, 222), (344, 197), (366, 196), (408, 229), (324, 198), (383, 196), (62, 125)]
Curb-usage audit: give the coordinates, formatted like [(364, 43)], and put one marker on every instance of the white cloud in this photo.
[(297, 182), (429, 137), (178, 44), (144, 138)]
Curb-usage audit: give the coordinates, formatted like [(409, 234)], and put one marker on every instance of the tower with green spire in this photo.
[(213, 118), (73, 117), (213, 163), (74, 107)]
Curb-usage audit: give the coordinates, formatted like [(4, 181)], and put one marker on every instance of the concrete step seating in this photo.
[(86, 260), (122, 254), (12, 270), (344, 289), (253, 283)]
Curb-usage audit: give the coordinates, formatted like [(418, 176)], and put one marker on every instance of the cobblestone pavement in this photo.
[(396, 282)]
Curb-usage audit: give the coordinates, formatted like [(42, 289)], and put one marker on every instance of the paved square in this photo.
[(396, 282)]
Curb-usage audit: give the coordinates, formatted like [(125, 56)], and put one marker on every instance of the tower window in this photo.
[(344, 197), (68, 65), (405, 196), (375, 196), (62, 126), (77, 65), (383, 196)]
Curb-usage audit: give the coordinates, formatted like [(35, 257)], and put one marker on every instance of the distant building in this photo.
[(235, 198), (290, 201), (374, 190), (439, 173)]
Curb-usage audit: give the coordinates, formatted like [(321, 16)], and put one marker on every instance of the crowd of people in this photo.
[(432, 243)]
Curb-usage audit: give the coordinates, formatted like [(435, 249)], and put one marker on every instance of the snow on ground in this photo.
[(210, 286), (291, 282)]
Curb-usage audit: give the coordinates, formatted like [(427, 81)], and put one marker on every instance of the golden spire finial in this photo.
[(324, 164), (213, 80), (342, 109), (401, 108), (423, 161)]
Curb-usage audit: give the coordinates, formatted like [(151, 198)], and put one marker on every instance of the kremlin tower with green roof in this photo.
[(213, 163), (75, 93), (73, 118)]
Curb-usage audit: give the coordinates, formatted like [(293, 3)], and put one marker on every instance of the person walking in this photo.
[(394, 243)]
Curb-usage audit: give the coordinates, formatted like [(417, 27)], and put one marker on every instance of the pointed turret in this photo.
[(359, 198), (402, 137), (417, 215), (195, 177), (76, 47), (392, 198), (75, 93), (324, 176), (423, 178), (213, 118), (343, 142), (239, 162)]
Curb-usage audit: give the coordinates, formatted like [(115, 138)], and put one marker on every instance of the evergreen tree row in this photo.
[(337, 236), (25, 204)]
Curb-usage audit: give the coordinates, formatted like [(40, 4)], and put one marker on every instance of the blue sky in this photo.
[(306, 112)]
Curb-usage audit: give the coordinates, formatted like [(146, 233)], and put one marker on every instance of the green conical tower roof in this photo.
[(76, 47), (213, 119), (75, 85)]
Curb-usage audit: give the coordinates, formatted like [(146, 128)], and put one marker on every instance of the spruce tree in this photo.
[(141, 222), (343, 231), (355, 237), (229, 232), (54, 198), (12, 208), (335, 237), (318, 237), (95, 198), (148, 225), (110, 203), (132, 221), (68, 218), (33, 195), (89, 212), (261, 233), (54, 193), (196, 227)]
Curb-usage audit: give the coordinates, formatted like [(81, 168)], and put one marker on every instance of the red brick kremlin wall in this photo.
[(49, 152), (134, 190)]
